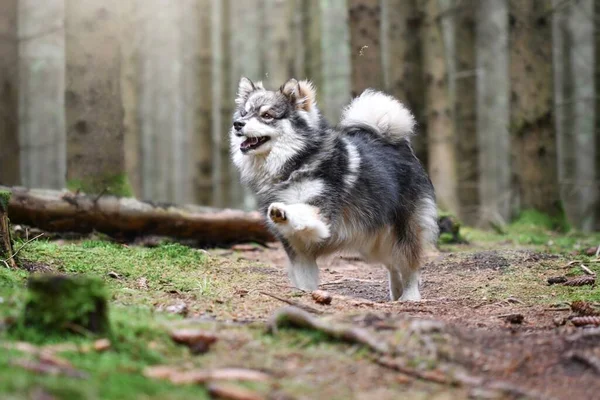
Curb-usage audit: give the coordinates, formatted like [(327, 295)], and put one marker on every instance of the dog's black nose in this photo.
[(238, 125)]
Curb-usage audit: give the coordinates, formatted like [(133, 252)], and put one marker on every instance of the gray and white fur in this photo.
[(323, 189)]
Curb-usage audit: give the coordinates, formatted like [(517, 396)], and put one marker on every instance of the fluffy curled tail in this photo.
[(380, 112)]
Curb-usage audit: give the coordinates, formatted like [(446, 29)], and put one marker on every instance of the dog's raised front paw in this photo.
[(276, 213)]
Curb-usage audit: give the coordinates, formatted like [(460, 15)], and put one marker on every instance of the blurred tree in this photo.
[(223, 104), (298, 11), (596, 15), (130, 42), (328, 55), (94, 111), (402, 62), (465, 110), (9, 100), (440, 127), (42, 138), (533, 135), (365, 37), (491, 41), (165, 101), (202, 146), (573, 34), (276, 49)]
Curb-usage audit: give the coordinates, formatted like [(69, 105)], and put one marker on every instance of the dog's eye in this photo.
[(243, 113), (268, 116)]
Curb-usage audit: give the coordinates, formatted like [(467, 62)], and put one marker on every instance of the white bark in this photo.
[(42, 134), (493, 110)]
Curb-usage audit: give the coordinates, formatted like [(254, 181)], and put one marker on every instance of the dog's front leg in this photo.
[(301, 224), (299, 221)]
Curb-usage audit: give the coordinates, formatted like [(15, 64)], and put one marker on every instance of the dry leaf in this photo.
[(197, 340), (101, 345)]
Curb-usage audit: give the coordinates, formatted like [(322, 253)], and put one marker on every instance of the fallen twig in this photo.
[(49, 368), (587, 359), (512, 318), (181, 377), (231, 392), (587, 270), (299, 318), (20, 248), (431, 376), (294, 303)]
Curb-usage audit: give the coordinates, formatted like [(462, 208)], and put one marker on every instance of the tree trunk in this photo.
[(203, 132), (7, 255), (276, 49), (597, 108), (573, 34), (298, 14), (465, 107), (533, 138), (127, 218), (246, 60), (402, 62), (223, 104), (42, 137), (493, 111), (365, 48), (130, 41), (328, 55), (94, 111), (9, 100), (165, 130), (441, 136)]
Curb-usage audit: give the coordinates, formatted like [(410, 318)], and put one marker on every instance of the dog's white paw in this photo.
[(276, 213)]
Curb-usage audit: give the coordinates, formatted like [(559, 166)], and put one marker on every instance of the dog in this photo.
[(357, 186)]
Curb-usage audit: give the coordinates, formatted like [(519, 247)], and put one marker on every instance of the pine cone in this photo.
[(556, 279), (584, 308), (581, 281), (582, 321), (321, 297)]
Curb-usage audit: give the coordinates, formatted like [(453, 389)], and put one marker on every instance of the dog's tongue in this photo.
[(249, 142)]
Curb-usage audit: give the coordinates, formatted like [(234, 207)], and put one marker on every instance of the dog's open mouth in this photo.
[(252, 143)]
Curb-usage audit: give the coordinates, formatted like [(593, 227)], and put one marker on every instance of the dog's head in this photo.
[(273, 122)]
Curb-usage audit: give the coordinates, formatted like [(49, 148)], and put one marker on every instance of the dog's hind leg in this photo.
[(395, 281), (410, 266)]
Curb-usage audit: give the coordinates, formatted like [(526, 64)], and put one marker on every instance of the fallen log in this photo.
[(128, 218)]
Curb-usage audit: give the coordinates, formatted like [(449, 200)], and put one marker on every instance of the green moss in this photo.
[(533, 219), (117, 185), (4, 200), (58, 304)]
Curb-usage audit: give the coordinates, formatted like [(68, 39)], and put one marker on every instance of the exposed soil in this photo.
[(473, 294)]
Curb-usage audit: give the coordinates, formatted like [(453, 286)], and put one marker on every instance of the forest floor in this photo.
[(489, 325)]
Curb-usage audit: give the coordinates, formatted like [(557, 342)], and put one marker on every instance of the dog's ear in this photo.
[(302, 94), (245, 87)]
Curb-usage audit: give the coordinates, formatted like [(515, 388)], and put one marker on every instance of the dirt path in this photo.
[(471, 293)]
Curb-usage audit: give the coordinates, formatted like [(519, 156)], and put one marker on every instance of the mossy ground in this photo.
[(221, 290)]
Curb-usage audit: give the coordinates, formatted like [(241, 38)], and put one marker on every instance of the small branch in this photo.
[(20, 248), (587, 270), (301, 319), (294, 303)]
